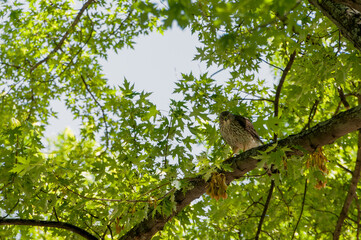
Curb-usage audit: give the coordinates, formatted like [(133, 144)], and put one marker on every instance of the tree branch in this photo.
[(280, 85), (343, 17), (352, 189), (303, 205), (343, 98), (101, 109), (322, 134), (355, 4), (282, 80), (265, 209), (358, 216), (65, 36), (40, 223)]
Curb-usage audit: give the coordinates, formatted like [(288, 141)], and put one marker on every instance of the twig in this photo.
[(343, 167), (282, 80), (56, 215), (352, 189), (265, 209), (65, 36), (213, 74), (272, 65), (311, 115), (116, 200), (101, 108), (92, 229), (103, 199), (54, 224), (166, 144), (11, 65), (279, 87), (110, 230), (337, 109), (358, 216), (303, 204), (12, 209), (257, 99), (71, 61), (343, 98)]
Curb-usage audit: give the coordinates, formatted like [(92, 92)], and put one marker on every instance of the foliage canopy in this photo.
[(132, 161)]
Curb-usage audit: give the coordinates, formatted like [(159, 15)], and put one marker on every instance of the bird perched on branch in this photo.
[(238, 132)]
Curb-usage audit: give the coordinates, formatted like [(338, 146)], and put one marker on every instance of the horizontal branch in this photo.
[(54, 224), (322, 134)]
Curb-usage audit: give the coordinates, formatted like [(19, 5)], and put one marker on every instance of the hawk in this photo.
[(238, 132)]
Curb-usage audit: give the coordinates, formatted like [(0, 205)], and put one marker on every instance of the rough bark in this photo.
[(355, 4), (322, 134), (53, 224), (345, 15)]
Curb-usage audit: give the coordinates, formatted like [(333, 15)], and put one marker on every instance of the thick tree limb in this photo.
[(355, 4), (54, 224), (322, 134), (345, 18)]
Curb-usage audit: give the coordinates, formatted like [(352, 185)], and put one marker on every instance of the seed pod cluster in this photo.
[(318, 160), (217, 187)]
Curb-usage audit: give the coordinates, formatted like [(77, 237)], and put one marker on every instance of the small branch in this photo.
[(272, 65), (71, 61), (65, 36), (92, 229), (303, 204), (11, 65), (265, 209), (101, 108), (279, 87), (215, 73), (358, 216), (103, 199), (311, 115), (282, 80), (165, 164), (258, 99), (343, 167), (56, 215), (41, 223), (12, 209), (337, 109), (117, 200), (352, 189), (110, 230), (343, 98)]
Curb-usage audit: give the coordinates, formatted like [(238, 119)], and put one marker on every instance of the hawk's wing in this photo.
[(248, 126)]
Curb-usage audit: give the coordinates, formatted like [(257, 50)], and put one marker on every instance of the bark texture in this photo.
[(345, 14), (322, 134)]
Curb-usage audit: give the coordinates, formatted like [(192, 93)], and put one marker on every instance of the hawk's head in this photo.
[(225, 116)]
